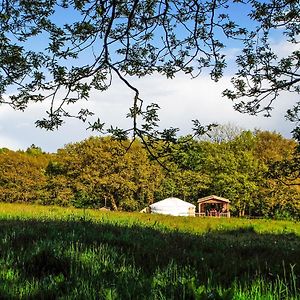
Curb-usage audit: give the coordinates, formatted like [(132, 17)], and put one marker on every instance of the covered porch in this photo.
[(213, 206)]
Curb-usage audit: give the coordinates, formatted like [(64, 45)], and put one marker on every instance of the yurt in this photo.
[(173, 206)]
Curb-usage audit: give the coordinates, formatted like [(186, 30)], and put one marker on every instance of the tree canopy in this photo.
[(102, 172), (46, 57)]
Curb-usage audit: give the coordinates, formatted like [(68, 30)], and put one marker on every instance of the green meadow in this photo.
[(66, 253)]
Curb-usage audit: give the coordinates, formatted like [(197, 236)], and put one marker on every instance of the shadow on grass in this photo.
[(60, 253)]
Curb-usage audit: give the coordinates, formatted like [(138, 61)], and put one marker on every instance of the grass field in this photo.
[(63, 253)]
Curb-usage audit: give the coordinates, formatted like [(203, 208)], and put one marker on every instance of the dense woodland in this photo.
[(101, 171)]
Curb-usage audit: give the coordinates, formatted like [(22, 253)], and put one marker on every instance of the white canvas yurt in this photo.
[(173, 206)]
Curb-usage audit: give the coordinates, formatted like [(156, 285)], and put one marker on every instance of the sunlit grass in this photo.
[(182, 224), (66, 253)]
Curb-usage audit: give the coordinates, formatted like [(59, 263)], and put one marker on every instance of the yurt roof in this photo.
[(171, 203)]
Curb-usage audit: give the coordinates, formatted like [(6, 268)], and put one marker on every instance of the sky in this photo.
[(181, 100)]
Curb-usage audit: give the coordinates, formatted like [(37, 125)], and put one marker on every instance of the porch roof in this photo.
[(213, 199)]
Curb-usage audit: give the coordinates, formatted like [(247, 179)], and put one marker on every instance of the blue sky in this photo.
[(180, 99)]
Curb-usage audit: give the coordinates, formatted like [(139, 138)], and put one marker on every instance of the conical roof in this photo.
[(172, 206), (171, 202)]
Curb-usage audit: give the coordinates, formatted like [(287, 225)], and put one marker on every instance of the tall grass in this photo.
[(56, 253)]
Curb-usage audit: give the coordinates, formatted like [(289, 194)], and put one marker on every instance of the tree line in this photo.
[(103, 172)]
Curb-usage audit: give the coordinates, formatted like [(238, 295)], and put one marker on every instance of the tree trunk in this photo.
[(113, 203)]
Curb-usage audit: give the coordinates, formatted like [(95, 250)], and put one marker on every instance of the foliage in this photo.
[(105, 172), (248, 169), (235, 171), (107, 39), (263, 73), (22, 176)]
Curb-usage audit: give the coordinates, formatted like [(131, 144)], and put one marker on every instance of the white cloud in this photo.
[(7, 142), (202, 99), (180, 99), (284, 48), (232, 53)]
